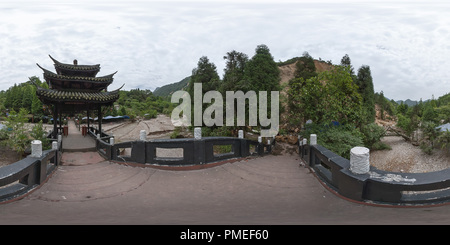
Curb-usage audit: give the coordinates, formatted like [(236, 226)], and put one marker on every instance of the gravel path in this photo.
[(405, 157)]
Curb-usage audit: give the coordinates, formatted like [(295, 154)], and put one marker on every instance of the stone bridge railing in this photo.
[(20, 178), (375, 186), (185, 152)]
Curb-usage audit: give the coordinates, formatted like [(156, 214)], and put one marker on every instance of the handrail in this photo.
[(195, 151), (19, 178), (376, 186)]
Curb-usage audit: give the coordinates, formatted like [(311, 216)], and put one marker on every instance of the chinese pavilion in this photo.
[(75, 88)]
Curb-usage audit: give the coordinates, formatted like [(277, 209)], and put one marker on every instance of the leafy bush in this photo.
[(17, 137), (223, 131), (372, 134), (338, 139), (38, 133), (444, 139)]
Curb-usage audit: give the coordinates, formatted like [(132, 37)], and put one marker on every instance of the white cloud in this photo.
[(152, 43)]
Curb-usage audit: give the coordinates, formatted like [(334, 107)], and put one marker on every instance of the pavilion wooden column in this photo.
[(100, 120), (60, 116), (55, 125), (88, 118)]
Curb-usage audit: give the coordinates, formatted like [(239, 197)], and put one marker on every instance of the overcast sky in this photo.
[(151, 43)]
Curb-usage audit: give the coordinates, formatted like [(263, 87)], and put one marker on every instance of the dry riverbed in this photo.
[(407, 158)]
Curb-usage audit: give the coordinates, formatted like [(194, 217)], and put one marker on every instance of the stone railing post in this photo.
[(313, 139), (36, 148), (54, 145), (143, 135), (260, 146), (197, 133), (199, 147), (359, 160)]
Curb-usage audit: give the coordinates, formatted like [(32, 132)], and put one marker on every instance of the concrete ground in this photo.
[(269, 190)]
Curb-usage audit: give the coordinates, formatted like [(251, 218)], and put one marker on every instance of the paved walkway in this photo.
[(75, 141), (266, 190)]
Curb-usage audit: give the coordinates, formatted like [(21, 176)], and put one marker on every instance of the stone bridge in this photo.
[(87, 189)]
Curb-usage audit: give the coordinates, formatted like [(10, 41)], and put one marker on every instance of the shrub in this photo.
[(38, 133), (338, 139), (444, 139), (372, 134), (17, 137)]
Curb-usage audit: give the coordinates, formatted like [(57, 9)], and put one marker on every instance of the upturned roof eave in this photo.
[(75, 67)]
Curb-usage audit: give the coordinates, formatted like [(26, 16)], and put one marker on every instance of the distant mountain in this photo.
[(409, 102), (168, 89)]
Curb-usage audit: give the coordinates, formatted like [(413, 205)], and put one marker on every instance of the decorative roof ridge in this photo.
[(75, 67)]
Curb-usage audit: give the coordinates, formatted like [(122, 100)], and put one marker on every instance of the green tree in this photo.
[(305, 67), (206, 74), (330, 96), (17, 137), (27, 97), (444, 139), (261, 72), (16, 97), (402, 108), (38, 133), (372, 134), (429, 113), (346, 62), (365, 88), (431, 134), (234, 71), (36, 106), (123, 111)]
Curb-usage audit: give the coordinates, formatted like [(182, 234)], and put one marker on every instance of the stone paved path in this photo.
[(75, 141), (267, 190)]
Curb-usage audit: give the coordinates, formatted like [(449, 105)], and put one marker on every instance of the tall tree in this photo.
[(304, 70), (305, 67), (36, 105), (261, 72), (234, 70), (346, 61), (27, 97), (330, 96), (365, 88), (206, 74)]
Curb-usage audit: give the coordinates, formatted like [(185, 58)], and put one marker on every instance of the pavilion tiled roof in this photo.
[(62, 81), (51, 95)]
